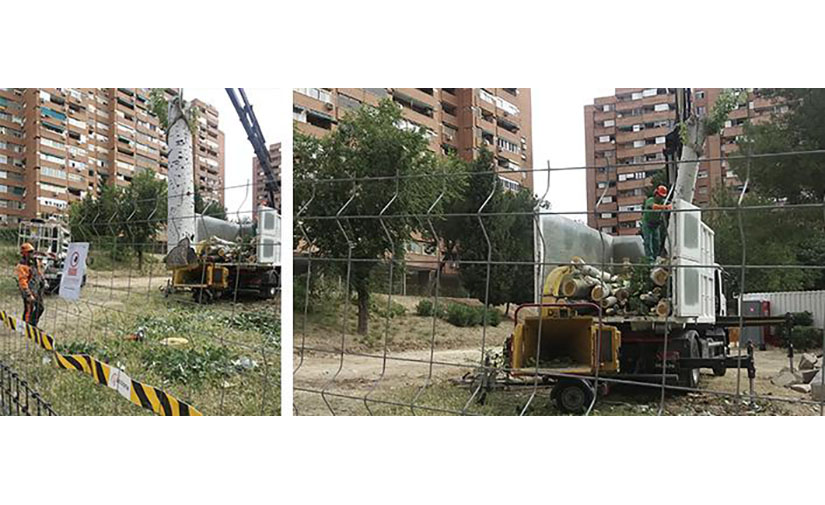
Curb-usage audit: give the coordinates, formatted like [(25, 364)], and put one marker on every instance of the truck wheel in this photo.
[(720, 370), (689, 377), (572, 396), (268, 292)]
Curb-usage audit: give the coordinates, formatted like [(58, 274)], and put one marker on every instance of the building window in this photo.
[(316, 93), (700, 95), (610, 122)]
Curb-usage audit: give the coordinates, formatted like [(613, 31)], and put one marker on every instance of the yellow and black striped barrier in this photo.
[(143, 395)]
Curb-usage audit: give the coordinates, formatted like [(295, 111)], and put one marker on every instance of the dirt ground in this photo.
[(404, 383)]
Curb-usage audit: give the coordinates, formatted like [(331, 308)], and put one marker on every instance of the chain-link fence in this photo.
[(690, 351), (201, 335)]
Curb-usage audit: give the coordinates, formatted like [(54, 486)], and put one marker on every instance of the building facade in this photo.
[(209, 154), (59, 144), (625, 141), (259, 180), (456, 120)]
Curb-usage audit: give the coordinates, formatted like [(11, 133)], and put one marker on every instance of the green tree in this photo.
[(143, 203), (772, 237), (212, 208), (369, 142), (508, 223), (122, 218), (793, 235)]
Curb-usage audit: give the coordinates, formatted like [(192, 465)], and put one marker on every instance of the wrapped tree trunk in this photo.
[(180, 177)]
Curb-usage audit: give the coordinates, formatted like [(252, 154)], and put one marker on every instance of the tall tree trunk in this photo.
[(140, 259), (180, 178), (363, 311)]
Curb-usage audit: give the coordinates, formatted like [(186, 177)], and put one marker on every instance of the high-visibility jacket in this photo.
[(30, 279)]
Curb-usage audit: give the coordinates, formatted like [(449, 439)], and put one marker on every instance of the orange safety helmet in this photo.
[(26, 248), (661, 191)]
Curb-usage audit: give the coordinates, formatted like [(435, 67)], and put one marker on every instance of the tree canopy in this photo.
[(352, 171), (508, 222), (785, 235), (122, 218)]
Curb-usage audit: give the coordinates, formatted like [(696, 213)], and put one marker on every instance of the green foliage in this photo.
[(459, 314), (268, 324), (463, 315), (791, 236), (367, 143), (425, 308), (84, 347), (159, 106), (772, 237), (122, 219), (727, 101), (795, 179), (379, 308), (806, 337), (213, 208), (802, 318), (508, 221), (188, 365)]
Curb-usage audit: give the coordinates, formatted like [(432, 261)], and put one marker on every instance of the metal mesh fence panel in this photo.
[(415, 360), (202, 336)]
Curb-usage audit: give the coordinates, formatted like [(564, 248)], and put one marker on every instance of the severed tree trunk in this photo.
[(180, 177), (688, 168)]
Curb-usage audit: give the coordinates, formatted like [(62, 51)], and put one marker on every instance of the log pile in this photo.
[(635, 291), (218, 250)]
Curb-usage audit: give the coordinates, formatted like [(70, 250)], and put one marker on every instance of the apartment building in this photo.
[(208, 154), (456, 120), (59, 144), (259, 180), (629, 127)]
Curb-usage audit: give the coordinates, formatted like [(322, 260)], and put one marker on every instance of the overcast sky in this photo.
[(272, 108), (558, 136)]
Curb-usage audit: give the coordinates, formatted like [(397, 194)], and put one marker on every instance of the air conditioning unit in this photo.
[(269, 236)]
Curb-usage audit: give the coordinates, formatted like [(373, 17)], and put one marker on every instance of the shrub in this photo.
[(424, 308), (379, 307), (806, 337), (462, 315), (494, 317), (802, 318)]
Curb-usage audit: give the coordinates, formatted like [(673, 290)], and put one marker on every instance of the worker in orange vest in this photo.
[(31, 283)]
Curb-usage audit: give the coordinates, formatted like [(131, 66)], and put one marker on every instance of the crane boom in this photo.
[(256, 138)]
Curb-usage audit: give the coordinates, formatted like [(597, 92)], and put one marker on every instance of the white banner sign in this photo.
[(74, 269)]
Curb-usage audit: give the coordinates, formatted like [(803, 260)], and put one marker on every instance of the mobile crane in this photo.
[(213, 267), (569, 342)]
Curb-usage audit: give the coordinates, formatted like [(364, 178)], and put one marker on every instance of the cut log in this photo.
[(659, 276), (600, 292), (573, 287)]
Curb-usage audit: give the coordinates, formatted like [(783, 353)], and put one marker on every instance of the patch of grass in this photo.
[(230, 364), (188, 365)]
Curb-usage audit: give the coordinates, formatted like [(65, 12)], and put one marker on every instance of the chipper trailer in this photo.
[(229, 258), (605, 310)]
